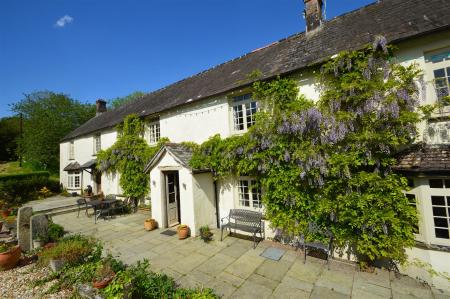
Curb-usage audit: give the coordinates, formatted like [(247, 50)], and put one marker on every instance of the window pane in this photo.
[(410, 182), (238, 117), (447, 184), (440, 73), (438, 211), (438, 200), (441, 233), (440, 222), (436, 183), (244, 196)]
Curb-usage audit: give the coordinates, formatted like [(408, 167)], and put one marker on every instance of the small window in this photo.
[(249, 194), (441, 216), (71, 151), (410, 182), (74, 179), (439, 66), (244, 110), (97, 143), (154, 133)]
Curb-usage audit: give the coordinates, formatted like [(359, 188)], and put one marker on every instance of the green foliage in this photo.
[(48, 117), (55, 232), (138, 281), (205, 233), (330, 162), (74, 250), (21, 188), (9, 134), (128, 156), (16, 176), (120, 101)]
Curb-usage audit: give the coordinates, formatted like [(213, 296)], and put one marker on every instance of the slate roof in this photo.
[(181, 153), (422, 158), (397, 20), (72, 166)]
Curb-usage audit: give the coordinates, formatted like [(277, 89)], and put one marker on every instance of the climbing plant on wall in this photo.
[(331, 162), (128, 157)]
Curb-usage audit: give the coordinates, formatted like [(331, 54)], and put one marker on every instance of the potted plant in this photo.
[(39, 241), (150, 224), (103, 276), (9, 256), (183, 231), (205, 233)]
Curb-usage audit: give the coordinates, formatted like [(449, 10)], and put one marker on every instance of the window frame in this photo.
[(439, 60), (254, 197), (72, 150), (74, 179), (97, 143), (248, 107), (153, 132)]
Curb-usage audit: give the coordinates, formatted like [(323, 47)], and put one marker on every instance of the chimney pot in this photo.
[(101, 107), (313, 14)]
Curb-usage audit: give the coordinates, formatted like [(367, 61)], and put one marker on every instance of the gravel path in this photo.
[(16, 283)]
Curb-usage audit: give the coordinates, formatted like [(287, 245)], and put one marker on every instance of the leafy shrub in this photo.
[(74, 250), (55, 231), (139, 282)]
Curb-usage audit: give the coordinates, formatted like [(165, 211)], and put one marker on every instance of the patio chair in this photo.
[(120, 207), (83, 204), (324, 246)]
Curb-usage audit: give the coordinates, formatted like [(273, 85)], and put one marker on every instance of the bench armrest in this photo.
[(226, 217)]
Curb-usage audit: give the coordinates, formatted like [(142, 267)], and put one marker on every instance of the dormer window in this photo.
[(154, 132), (97, 143), (244, 110)]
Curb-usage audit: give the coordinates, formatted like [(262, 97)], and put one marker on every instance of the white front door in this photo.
[(173, 198)]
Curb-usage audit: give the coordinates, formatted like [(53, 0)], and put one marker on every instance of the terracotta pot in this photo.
[(9, 259), (49, 245), (183, 232), (150, 224), (102, 283), (5, 213)]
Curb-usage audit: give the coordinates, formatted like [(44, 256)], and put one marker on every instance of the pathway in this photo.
[(235, 270)]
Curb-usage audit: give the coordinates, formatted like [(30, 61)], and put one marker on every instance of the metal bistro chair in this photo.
[(83, 204), (325, 246)]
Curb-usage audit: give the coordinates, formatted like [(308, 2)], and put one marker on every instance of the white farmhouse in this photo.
[(218, 101)]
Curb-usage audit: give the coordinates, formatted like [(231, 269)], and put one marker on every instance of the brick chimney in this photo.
[(313, 14), (101, 107)]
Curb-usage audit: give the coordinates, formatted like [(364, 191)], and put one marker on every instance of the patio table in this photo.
[(101, 205)]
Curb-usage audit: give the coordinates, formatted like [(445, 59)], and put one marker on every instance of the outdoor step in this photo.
[(58, 208), (63, 211)]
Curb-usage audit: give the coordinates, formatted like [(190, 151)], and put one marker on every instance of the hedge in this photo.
[(24, 176), (18, 189)]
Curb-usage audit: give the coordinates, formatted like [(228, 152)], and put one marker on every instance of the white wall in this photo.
[(197, 122), (84, 152), (204, 200)]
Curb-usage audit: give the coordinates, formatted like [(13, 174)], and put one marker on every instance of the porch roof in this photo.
[(426, 159), (180, 152), (72, 166), (89, 164)]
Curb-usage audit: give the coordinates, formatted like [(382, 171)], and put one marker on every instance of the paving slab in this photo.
[(252, 290), (287, 291), (263, 281), (222, 288), (244, 266), (404, 286), (322, 293), (274, 270)]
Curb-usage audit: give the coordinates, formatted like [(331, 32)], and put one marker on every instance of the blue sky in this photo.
[(93, 49)]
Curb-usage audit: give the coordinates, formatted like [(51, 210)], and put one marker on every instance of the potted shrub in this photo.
[(103, 276), (9, 256), (183, 231), (39, 241), (205, 233), (150, 224)]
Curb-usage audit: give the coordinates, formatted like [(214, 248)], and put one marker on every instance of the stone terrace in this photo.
[(235, 270)]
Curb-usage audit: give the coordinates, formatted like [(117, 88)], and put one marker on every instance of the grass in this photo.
[(13, 168)]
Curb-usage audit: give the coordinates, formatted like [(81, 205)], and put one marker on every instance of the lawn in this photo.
[(13, 168)]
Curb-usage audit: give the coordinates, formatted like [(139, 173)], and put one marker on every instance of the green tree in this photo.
[(331, 162), (47, 118), (9, 134), (120, 101)]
